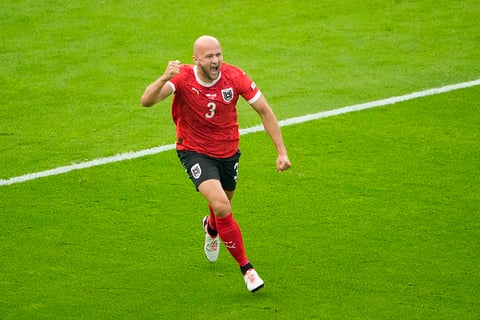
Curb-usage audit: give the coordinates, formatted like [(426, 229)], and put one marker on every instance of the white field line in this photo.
[(286, 122)]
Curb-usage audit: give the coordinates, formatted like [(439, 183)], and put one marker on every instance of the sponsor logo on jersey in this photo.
[(211, 96), (227, 94)]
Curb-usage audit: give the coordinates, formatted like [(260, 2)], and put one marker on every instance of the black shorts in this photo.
[(201, 167)]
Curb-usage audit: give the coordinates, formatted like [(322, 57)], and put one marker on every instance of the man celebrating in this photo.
[(205, 115)]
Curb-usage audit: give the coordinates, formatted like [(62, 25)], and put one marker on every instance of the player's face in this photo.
[(209, 62)]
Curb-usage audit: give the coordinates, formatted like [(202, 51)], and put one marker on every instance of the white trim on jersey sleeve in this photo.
[(255, 98), (171, 85)]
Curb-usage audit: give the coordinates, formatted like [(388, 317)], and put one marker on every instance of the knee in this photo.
[(221, 208)]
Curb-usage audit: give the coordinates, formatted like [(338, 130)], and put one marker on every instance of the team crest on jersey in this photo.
[(196, 171), (227, 94)]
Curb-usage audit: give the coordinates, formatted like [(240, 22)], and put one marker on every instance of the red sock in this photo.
[(231, 236), (211, 218)]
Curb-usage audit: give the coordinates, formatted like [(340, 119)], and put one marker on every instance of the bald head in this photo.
[(207, 56), (205, 43)]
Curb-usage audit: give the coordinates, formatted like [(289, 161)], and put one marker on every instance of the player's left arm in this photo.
[(272, 128)]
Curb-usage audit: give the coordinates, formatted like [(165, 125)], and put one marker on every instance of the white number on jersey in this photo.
[(211, 107)]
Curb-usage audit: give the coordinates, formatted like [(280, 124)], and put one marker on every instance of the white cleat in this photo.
[(253, 280), (212, 244)]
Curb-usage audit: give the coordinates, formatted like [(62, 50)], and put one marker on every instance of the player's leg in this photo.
[(229, 230), (200, 168), (228, 177), (228, 173), (217, 198), (206, 174), (211, 234), (226, 224), (209, 221)]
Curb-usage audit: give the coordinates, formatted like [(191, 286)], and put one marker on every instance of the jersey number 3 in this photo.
[(211, 107)]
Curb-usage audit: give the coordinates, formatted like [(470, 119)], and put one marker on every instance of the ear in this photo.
[(195, 60)]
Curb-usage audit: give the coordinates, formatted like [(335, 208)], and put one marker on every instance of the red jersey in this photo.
[(205, 114)]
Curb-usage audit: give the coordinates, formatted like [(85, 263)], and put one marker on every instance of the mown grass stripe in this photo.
[(286, 122)]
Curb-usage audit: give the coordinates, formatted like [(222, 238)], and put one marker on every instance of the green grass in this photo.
[(377, 219), (72, 73)]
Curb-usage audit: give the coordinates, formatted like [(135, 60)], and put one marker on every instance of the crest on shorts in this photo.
[(227, 94), (196, 171)]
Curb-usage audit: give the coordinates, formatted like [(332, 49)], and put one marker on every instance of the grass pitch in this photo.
[(377, 219)]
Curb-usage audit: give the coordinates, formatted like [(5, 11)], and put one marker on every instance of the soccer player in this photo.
[(205, 115)]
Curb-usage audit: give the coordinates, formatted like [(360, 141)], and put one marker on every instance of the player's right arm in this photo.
[(158, 91)]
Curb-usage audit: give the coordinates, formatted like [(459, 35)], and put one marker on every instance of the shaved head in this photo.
[(205, 43), (207, 56)]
